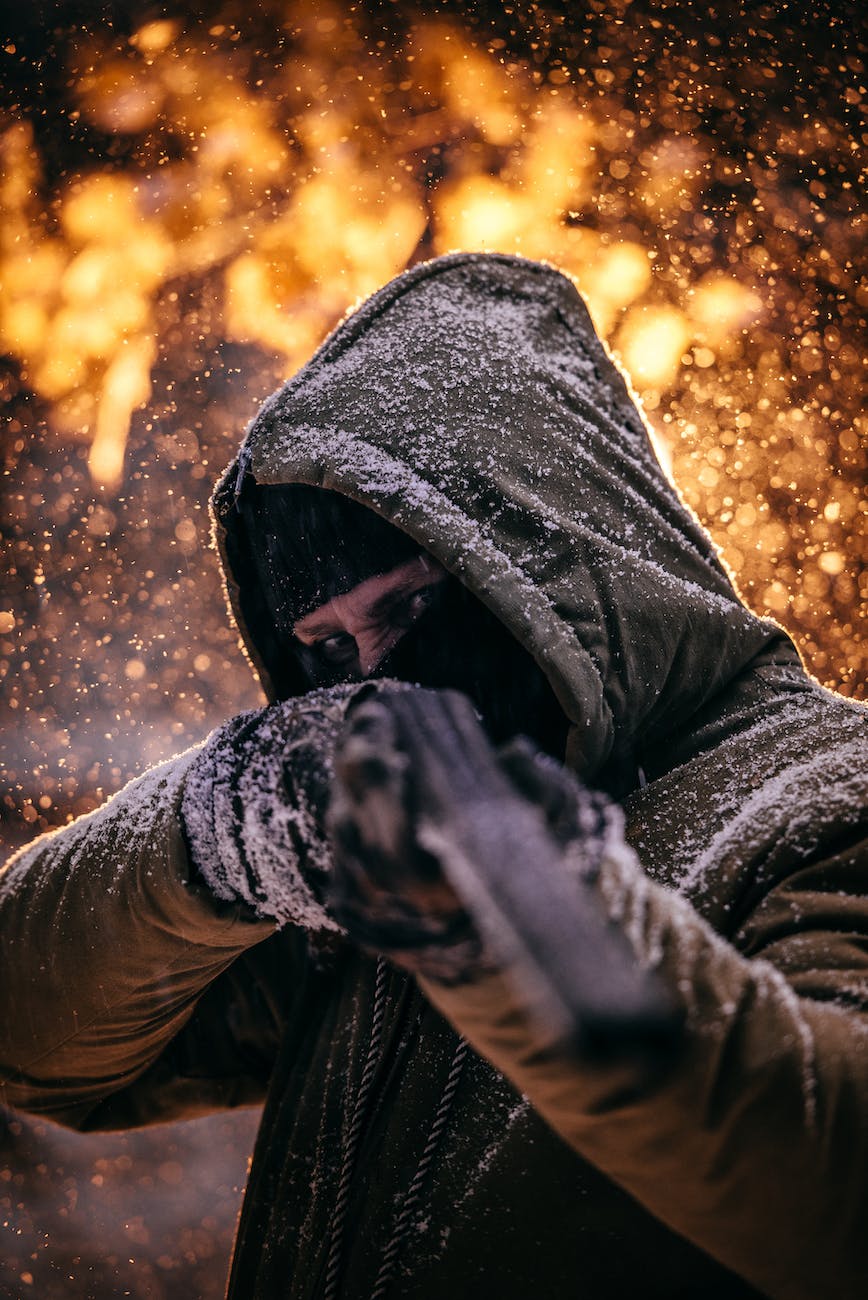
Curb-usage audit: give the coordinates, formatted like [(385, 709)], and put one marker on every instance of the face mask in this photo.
[(309, 544), (459, 644)]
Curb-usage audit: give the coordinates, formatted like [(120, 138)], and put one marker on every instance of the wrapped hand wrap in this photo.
[(254, 805)]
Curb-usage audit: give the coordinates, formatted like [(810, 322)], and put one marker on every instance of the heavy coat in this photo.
[(471, 403)]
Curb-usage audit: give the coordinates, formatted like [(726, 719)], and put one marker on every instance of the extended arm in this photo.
[(112, 935), (752, 1141), (107, 945)]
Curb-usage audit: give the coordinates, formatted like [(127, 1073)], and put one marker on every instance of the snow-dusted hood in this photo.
[(471, 403)]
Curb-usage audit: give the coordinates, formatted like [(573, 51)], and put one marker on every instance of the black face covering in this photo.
[(459, 643), (310, 544)]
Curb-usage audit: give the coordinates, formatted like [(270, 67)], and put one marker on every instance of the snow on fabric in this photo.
[(472, 403), (139, 804), (254, 807)]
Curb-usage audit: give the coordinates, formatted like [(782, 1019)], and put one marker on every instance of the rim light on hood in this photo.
[(471, 403)]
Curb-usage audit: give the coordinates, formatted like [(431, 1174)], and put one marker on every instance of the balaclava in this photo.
[(310, 544)]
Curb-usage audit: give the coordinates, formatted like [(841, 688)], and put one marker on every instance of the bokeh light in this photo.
[(191, 196), (189, 202)]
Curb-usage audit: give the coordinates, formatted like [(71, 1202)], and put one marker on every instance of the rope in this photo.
[(402, 1221), (354, 1133)]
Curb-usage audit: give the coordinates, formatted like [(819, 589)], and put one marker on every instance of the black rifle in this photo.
[(419, 791)]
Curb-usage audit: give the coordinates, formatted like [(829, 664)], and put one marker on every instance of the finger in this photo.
[(370, 788), (453, 762), (546, 783)]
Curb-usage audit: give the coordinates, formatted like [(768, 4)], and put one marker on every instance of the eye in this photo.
[(337, 649), (405, 613)]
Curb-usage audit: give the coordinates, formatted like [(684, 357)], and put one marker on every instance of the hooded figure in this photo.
[(195, 961)]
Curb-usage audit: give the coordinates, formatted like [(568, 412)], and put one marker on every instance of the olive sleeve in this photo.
[(753, 1143), (108, 945)]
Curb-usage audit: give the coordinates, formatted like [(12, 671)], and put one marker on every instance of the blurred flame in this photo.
[(294, 194), (483, 213), (720, 306), (651, 342), (250, 181), (117, 98), (299, 235), (155, 36), (616, 278), (474, 87), (126, 385), (674, 173), (340, 219)]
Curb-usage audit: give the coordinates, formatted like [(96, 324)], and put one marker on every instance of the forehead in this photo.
[(310, 544)]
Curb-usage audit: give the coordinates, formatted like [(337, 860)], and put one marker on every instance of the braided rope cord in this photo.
[(354, 1133), (411, 1199)]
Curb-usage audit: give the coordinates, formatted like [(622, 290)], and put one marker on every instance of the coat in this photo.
[(471, 403)]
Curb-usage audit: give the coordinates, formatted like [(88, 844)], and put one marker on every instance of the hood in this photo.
[(471, 403)]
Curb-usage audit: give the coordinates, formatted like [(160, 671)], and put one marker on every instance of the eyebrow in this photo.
[(316, 623), (409, 584)]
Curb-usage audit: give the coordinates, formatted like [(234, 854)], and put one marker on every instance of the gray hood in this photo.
[(471, 403)]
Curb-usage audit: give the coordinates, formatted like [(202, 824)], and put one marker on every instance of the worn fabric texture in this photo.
[(471, 403), (254, 805)]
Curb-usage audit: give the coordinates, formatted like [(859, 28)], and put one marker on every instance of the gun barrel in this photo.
[(575, 967)]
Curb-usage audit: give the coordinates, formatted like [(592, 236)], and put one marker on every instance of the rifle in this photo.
[(420, 798)]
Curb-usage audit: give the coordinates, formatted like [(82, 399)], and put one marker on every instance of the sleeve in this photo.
[(108, 945), (753, 1143)]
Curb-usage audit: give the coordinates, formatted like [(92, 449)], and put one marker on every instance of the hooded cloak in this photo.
[(471, 404)]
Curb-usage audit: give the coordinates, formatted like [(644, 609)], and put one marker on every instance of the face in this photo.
[(383, 608), (417, 623), (351, 634)]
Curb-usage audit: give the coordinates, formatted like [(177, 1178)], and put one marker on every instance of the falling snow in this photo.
[(187, 205)]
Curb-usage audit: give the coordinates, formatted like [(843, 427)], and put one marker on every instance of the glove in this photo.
[(416, 784), (254, 802), (455, 860)]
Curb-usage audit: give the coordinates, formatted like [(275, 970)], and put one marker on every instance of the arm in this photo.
[(112, 934), (753, 1145), (751, 1142), (107, 945)]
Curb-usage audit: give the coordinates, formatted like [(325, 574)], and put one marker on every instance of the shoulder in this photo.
[(785, 782)]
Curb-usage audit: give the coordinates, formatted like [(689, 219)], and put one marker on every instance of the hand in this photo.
[(386, 890), (254, 803), (453, 859), (416, 784)]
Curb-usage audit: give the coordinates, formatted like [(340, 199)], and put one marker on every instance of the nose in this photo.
[(373, 646)]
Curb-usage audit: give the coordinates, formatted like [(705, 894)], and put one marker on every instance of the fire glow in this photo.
[(248, 183)]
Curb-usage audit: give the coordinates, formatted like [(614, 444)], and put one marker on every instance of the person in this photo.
[(449, 530)]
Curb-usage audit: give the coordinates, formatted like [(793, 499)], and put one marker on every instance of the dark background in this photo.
[(192, 195)]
